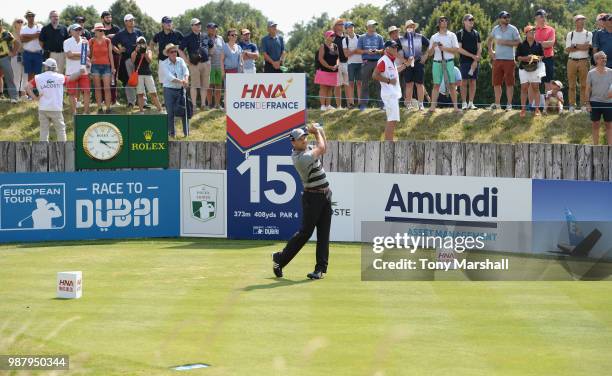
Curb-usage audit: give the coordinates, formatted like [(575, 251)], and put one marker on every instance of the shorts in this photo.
[(145, 82), (354, 72), (529, 77), (343, 77), (465, 70), (100, 70), (549, 64), (503, 72), (32, 62), (391, 108), (200, 75), (599, 109), (326, 78), (438, 73), (82, 84), (415, 74), (216, 78)]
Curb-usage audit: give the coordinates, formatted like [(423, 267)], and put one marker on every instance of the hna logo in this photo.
[(266, 91), (65, 282), (481, 205)]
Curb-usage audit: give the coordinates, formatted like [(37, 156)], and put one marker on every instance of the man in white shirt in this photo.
[(444, 46), (50, 85), (577, 45), (73, 47), (349, 46), (387, 73), (32, 49)]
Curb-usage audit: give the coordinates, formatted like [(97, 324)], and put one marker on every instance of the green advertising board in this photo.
[(121, 141)]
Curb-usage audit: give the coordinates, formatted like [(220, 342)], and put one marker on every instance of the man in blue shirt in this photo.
[(602, 40), (124, 43), (370, 46), (273, 48), (250, 52)]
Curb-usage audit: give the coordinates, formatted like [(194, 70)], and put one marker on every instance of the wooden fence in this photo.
[(549, 161)]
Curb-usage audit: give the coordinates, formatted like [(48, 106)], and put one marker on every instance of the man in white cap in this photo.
[(195, 50), (370, 46), (316, 202), (388, 74), (50, 85), (124, 43), (577, 45), (73, 48)]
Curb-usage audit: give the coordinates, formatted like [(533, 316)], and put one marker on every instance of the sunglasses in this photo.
[(443, 20), (470, 19), (172, 51), (232, 35), (506, 17), (19, 22)]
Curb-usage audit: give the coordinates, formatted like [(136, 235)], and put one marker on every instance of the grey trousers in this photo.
[(130, 92), (56, 118), (367, 68), (5, 64)]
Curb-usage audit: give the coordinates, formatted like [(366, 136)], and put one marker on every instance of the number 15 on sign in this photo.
[(253, 166)]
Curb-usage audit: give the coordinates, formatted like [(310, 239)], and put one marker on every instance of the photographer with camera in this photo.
[(6, 45), (141, 58), (195, 50)]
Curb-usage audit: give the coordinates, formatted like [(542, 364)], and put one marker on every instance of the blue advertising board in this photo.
[(263, 199), (89, 205)]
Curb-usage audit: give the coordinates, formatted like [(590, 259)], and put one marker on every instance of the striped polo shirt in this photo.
[(310, 169)]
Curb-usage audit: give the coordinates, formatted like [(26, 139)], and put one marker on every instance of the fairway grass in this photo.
[(149, 305)]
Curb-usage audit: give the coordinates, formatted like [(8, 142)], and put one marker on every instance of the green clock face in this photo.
[(102, 141)]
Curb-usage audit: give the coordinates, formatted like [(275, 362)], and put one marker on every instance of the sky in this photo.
[(285, 15)]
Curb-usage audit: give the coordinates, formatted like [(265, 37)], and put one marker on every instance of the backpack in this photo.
[(590, 48)]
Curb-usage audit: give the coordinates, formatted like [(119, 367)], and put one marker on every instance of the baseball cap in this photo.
[(528, 28), (195, 21), (141, 39), (392, 29), (272, 23), (329, 33), (579, 17), (105, 14), (50, 62), (211, 25), (349, 24), (98, 26), (558, 83), (297, 133), (29, 13), (75, 27), (371, 22), (166, 19), (503, 13), (79, 19), (468, 17), (128, 17), (391, 43), (245, 31), (540, 12)]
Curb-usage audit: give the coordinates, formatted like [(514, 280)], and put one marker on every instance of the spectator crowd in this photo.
[(109, 58)]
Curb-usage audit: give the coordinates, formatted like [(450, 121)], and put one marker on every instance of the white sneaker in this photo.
[(13, 101), (583, 109), (421, 106), (571, 109), (323, 108), (471, 106), (79, 104), (330, 107), (340, 108), (508, 107), (494, 106), (464, 106)]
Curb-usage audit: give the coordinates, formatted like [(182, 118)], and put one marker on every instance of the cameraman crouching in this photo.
[(195, 49)]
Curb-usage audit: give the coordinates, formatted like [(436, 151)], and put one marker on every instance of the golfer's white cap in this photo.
[(50, 62), (371, 22), (128, 17), (297, 133)]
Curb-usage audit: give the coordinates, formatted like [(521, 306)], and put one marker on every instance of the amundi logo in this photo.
[(480, 205)]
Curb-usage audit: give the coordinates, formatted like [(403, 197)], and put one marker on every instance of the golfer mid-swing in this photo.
[(316, 202)]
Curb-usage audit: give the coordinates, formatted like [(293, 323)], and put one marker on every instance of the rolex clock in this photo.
[(102, 141)]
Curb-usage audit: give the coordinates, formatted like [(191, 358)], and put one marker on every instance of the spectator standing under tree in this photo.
[(577, 45), (231, 56), (141, 58), (413, 44), (110, 31), (600, 24), (326, 75), (32, 49), (20, 79), (387, 72), (506, 37), (393, 32), (349, 46), (52, 37), (175, 79), (216, 70), (195, 50), (81, 21), (599, 82), (73, 48), (602, 40), (370, 46), (529, 55), (443, 45), (343, 78), (470, 50), (102, 67), (6, 45), (166, 36), (250, 53), (273, 49), (125, 41), (50, 85), (545, 35)]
